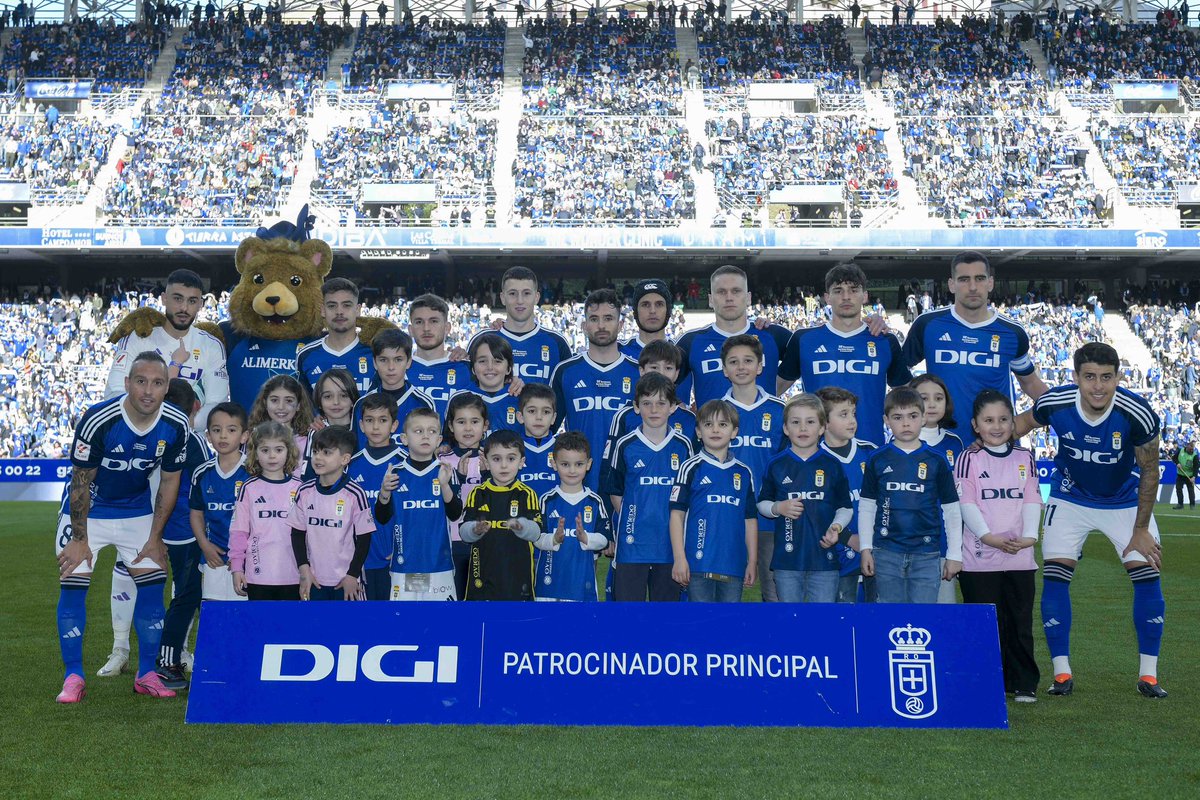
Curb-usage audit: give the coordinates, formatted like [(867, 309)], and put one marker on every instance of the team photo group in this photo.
[(838, 463)]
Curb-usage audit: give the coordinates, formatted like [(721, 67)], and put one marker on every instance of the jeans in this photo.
[(377, 583), (848, 589), (907, 577), (710, 590), (807, 586)]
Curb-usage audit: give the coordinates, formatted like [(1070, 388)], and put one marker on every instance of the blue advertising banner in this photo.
[(341, 238), (934, 666), (34, 470), (58, 89)]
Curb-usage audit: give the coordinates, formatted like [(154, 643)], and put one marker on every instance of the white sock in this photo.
[(1148, 665), (1062, 665), (124, 593)]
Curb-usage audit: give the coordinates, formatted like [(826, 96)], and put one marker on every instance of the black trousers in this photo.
[(632, 583), (1012, 594), (1180, 482), (264, 591)]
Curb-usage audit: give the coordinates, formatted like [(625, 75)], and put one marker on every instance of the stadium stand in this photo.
[(1149, 155), (113, 55), (470, 55), (59, 160)]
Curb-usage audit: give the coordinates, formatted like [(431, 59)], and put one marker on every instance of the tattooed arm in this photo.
[(1143, 541), (80, 494)]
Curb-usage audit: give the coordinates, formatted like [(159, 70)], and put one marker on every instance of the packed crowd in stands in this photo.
[(62, 155), (470, 55), (1172, 333), (967, 68), (1152, 152), (751, 157), (585, 170), (401, 145), (213, 169), (624, 66), (1006, 171), (1089, 50), (236, 67), (732, 55), (113, 56)]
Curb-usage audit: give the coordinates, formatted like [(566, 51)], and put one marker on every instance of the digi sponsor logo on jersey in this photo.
[(904, 486), (806, 495), (409, 505), (852, 366), (532, 372), (752, 441), (220, 506), (987, 493), (655, 480), (1090, 456), (131, 465), (722, 499), (383, 663), (581, 404), (967, 359)]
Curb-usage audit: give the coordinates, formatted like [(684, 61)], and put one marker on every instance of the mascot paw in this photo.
[(369, 326), (141, 321)]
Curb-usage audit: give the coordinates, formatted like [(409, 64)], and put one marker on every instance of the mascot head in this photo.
[(278, 295)]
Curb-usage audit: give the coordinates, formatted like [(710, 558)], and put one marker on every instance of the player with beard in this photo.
[(195, 356), (591, 387), (652, 305), (340, 348), (433, 370)]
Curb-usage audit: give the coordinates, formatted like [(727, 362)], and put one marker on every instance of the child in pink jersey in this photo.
[(466, 423), (260, 535), (331, 522), (1001, 510)]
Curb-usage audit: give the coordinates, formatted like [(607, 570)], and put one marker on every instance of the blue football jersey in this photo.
[(317, 358), (1096, 465), (760, 437), (909, 490), (178, 529), (438, 379), (501, 408), (214, 492), (124, 456), (718, 497), (702, 373), (627, 420), (853, 459), (945, 442), (642, 474), (535, 354), (538, 473), (406, 398), (858, 362), (969, 357), (819, 482), (419, 529), (367, 468), (570, 572), (252, 361), (632, 348), (587, 395)]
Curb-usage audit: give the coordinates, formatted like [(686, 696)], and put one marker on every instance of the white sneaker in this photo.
[(187, 659), (115, 664)]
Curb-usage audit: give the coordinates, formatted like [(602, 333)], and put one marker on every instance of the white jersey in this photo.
[(204, 368)]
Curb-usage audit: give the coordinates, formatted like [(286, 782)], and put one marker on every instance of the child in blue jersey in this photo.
[(393, 354), (334, 397), (417, 498), (714, 523), (491, 359), (282, 399), (841, 425), (536, 413), (576, 526), (641, 470), (182, 549), (213, 492), (939, 418), (367, 469), (907, 506), (760, 433), (806, 493)]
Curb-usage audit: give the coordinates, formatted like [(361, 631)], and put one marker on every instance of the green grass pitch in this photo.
[(1105, 741)]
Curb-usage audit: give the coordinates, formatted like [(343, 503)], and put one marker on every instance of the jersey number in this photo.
[(1049, 520)]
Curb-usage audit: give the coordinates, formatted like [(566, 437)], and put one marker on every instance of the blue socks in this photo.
[(72, 619), (1148, 609), (148, 613), (1056, 607)]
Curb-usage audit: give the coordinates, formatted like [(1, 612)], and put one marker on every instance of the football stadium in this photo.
[(831, 364)]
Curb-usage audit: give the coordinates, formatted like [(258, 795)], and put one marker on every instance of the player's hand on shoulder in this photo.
[(515, 386), (877, 325), (458, 354)]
